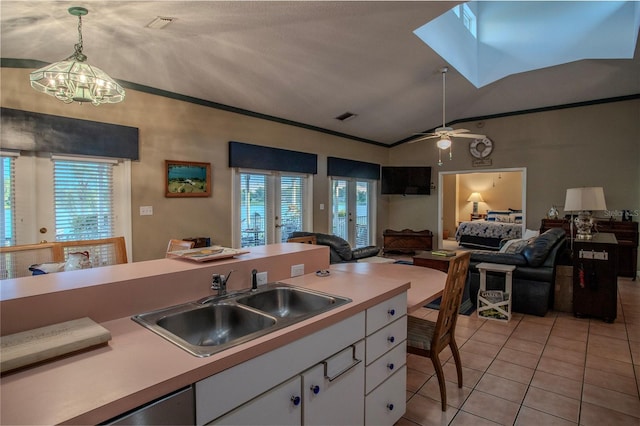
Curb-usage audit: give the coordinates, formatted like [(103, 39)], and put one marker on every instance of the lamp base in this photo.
[(584, 224)]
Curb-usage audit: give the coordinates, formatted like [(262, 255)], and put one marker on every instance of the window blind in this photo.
[(253, 208), (8, 221), (83, 200), (292, 191)]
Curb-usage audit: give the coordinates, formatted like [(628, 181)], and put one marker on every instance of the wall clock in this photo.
[(481, 147)]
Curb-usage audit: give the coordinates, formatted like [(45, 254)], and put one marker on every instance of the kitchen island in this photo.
[(138, 366)]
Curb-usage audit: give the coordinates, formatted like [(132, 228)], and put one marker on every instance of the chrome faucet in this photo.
[(219, 282)]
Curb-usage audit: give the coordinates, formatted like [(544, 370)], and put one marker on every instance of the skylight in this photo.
[(489, 40)]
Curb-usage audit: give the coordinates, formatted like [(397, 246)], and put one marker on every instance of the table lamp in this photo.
[(584, 201), (476, 198)]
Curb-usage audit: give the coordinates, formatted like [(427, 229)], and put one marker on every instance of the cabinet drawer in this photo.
[(386, 312), (386, 339), (277, 406), (386, 404), (385, 366)]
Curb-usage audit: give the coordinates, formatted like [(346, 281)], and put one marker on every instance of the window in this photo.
[(270, 206), (7, 220), (352, 208), (83, 199), (468, 18)]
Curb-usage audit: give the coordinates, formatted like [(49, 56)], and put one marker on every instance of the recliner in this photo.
[(339, 249)]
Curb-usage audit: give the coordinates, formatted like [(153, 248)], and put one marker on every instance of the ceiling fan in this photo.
[(445, 133)]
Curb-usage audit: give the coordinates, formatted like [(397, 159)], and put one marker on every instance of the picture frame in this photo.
[(187, 179)]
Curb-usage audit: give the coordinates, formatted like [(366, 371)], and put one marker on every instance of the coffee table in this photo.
[(433, 261)]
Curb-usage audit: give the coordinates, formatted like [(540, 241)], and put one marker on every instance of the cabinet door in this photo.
[(339, 401), (281, 405)]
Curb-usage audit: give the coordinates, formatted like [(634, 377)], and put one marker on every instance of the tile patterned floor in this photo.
[(552, 370)]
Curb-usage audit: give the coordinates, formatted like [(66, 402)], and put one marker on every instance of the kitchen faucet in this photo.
[(219, 282)]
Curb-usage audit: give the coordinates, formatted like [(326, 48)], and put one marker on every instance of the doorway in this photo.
[(501, 189)]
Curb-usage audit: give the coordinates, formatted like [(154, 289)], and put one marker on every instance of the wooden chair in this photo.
[(311, 239), (15, 260), (179, 245), (428, 339), (102, 252)]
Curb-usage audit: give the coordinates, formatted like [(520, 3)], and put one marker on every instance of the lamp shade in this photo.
[(590, 198), (475, 197)]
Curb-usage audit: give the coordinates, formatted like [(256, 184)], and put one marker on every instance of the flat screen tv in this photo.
[(406, 180)]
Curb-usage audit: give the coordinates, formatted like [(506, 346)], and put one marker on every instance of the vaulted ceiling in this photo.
[(305, 62)]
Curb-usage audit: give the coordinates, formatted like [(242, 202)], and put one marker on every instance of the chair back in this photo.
[(311, 239), (102, 252), (16, 260), (451, 300), (179, 245)]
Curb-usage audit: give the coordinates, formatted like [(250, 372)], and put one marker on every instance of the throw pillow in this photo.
[(514, 246), (530, 233)]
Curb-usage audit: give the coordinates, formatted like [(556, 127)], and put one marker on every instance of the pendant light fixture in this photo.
[(74, 79)]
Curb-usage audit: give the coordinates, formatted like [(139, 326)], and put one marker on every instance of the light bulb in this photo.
[(444, 143)]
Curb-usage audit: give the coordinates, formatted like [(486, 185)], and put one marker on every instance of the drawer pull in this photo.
[(295, 400), (390, 407), (391, 339), (390, 366), (315, 389), (354, 362), (392, 312)]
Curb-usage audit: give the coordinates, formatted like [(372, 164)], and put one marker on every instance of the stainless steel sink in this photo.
[(220, 323), (288, 302)]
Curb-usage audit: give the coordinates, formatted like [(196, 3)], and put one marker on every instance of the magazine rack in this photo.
[(490, 306)]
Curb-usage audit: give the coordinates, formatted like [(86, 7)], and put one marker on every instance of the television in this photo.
[(406, 180)]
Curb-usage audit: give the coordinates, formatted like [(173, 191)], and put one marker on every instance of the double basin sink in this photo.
[(214, 324)]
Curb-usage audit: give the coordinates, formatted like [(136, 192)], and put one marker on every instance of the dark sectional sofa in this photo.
[(534, 276)]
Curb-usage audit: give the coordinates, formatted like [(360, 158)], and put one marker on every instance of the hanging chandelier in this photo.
[(75, 80)]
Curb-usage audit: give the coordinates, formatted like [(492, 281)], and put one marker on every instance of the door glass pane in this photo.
[(363, 230), (7, 222), (339, 205), (291, 205), (253, 209)]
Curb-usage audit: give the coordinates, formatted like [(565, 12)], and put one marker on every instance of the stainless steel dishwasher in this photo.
[(174, 409)]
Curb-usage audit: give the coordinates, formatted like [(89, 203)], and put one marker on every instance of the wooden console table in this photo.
[(626, 234), (406, 241)]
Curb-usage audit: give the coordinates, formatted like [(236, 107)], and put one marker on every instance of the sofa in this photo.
[(340, 250), (533, 282)]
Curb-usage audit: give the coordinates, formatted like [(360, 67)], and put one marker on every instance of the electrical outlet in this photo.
[(261, 278), (297, 270), (146, 210)]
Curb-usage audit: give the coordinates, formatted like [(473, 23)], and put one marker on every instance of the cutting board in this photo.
[(33, 346)]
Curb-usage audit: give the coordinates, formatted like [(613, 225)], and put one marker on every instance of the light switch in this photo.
[(146, 210)]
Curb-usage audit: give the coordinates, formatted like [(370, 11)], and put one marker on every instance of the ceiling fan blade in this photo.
[(430, 136), (454, 131), (469, 136)]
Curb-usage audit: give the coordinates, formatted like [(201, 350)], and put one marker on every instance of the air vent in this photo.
[(160, 22), (346, 116)]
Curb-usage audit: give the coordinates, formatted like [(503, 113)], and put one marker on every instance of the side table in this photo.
[(433, 261), (502, 305)]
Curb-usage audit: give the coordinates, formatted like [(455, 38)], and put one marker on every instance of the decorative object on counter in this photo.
[(175, 245), (77, 260), (74, 79), (44, 343), (476, 198), (584, 201), (187, 179), (553, 213), (206, 254)]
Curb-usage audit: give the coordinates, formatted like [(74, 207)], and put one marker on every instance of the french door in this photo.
[(270, 206), (352, 210)]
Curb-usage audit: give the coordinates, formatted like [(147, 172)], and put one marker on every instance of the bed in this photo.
[(487, 234)]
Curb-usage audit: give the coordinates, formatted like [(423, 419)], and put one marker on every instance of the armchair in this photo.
[(340, 250)]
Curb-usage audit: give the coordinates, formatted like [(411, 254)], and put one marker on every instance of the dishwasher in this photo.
[(177, 408)]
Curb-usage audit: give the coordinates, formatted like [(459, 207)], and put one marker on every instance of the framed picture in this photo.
[(187, 179)]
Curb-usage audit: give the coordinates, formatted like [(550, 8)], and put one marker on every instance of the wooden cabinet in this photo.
[(595, 283), (626, 234), (406, 241)]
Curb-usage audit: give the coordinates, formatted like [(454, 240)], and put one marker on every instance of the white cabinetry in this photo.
[(231, 388), (385, 377)]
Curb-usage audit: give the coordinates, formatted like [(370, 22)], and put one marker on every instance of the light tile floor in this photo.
[(552, 370)]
